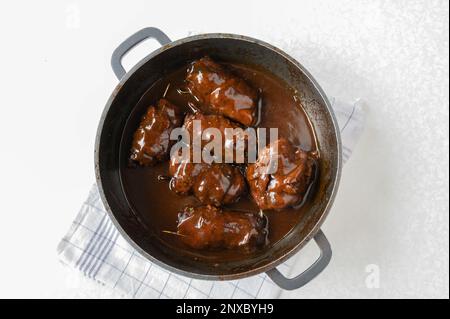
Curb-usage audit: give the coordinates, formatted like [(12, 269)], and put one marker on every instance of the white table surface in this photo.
[(392, 209)]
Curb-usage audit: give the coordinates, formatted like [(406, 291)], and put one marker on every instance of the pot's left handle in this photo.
[(131, 42), (309, 274)]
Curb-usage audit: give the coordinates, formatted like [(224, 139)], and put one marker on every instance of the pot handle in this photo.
[(131, 42), (310, 273)]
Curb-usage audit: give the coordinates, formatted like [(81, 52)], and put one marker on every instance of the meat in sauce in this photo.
[(214, 184), (289, 183), (227, 102), (221, 92), (151, 141), (229, 143), (210, 227)]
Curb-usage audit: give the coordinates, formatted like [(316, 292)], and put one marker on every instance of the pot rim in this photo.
[(274, 263)]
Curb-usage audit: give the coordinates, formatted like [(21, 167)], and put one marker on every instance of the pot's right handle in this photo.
[(131, 42), (310, 273)]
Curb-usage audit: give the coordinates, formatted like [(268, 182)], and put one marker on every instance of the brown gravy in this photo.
[(157, 206)]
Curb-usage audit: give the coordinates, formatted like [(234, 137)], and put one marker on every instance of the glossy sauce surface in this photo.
[(158, 207)]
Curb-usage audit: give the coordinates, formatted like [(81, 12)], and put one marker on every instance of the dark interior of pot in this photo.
[(233, 50)]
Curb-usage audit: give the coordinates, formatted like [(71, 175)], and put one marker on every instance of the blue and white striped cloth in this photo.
[(94, 246)]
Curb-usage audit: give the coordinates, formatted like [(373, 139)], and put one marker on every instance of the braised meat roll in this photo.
[(210, 227), (151, 141), (229, 143), (213, 184), (286, 183), (221, 92)]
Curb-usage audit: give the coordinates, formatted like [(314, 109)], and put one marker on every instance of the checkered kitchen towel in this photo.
[(94, 246)]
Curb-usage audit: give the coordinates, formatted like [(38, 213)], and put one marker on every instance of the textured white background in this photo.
[(392, 209)]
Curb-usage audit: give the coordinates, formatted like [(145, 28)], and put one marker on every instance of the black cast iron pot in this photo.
[(230, 48)]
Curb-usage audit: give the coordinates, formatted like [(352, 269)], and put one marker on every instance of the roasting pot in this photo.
[(231, 48)]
